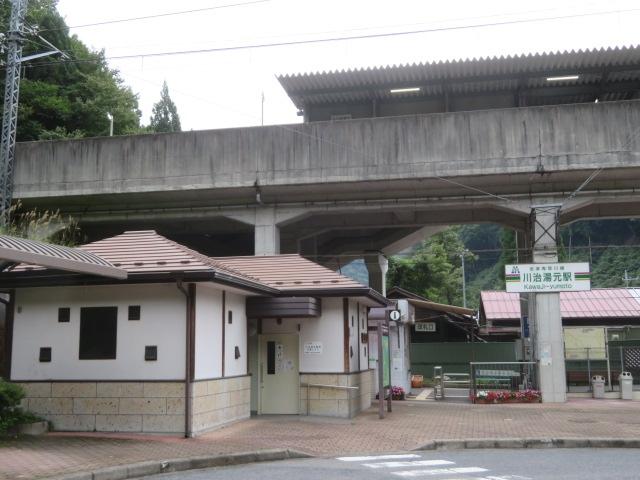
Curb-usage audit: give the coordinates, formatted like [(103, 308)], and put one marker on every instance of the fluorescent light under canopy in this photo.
[(405, 90)]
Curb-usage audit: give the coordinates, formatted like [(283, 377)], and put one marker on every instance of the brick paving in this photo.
[(411, 425)]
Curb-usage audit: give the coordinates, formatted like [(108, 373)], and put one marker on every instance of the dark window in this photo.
[(98, 333), (271, 358), (64, 314), (134, 312), (151, 353), (237, 352), (351, 321), (45, 354), (230, 317)]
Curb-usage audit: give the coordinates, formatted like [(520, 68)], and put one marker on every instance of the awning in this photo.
[(15, 250)]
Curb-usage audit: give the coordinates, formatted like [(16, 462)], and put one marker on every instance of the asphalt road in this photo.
[(529, 464)]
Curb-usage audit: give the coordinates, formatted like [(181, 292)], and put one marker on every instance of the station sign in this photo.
[(425, 326), (547, 277)]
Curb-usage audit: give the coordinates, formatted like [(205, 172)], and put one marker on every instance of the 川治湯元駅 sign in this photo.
[(547, 277)]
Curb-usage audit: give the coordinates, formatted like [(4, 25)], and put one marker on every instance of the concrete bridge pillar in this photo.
[(377, 266), (544, 308), (267, 232)]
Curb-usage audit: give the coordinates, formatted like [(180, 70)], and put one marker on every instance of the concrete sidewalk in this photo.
[(410, 426)]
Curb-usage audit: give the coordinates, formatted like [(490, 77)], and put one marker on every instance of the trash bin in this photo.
[(597, 386), (626, 385)]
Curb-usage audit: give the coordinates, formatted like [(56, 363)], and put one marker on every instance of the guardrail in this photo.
[(337, 387)]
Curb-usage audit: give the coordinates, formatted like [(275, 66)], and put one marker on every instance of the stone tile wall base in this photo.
[(336, 402), (149, 407), (219, 402)]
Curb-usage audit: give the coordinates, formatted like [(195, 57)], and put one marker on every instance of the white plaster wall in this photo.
[(236, 335), (326, 329), (162, 323), (208, 343)]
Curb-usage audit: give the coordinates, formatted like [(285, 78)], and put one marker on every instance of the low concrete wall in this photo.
[(153, 407), (220, 401), (334, 402)]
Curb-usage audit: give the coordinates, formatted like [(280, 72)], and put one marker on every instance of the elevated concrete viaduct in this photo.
[(316, 188)]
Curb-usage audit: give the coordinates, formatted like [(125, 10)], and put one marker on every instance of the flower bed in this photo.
[(506, 396)]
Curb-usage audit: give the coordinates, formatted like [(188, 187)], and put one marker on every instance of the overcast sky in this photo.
[(223, 89)]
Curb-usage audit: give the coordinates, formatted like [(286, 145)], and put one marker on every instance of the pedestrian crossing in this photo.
[(411, 465)]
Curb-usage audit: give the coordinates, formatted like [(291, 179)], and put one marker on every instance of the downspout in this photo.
[(187, 365)]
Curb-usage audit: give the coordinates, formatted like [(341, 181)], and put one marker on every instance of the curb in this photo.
[(135, 470), (531, 443)]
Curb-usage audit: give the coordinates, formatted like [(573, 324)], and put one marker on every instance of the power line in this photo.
[(158, 15), (334, 39)]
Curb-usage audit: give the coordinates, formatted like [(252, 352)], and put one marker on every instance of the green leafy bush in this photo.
[(10, 412)]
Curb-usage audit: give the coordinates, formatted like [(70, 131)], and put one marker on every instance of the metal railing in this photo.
[(503, 376), (443, 380), (581, 364), (336, 387)]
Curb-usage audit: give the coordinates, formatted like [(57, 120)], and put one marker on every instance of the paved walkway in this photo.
[(411, 425)]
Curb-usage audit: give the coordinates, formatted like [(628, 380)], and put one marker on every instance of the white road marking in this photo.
[(378, 457), (417, 463), (439, 471)]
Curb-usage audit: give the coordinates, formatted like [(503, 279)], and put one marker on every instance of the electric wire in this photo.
[(331, 39), (158, 15)]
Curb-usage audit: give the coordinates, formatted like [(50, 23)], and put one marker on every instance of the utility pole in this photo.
[(627, 279), (15, 40), (464, 280)]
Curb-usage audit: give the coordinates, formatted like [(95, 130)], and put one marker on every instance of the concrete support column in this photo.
[(377, 266), (266, 233), (544, 309)]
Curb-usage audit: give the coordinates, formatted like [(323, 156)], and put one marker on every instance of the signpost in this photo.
[(547, 277), (384, 361)]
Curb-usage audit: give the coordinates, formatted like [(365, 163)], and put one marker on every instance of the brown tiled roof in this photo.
[(289, 272), (146, 251), (15, 250)]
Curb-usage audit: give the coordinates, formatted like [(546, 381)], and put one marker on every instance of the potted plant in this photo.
[(397, 393)]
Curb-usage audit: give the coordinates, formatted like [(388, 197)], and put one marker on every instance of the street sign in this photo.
[(394, 315), (547, 277)]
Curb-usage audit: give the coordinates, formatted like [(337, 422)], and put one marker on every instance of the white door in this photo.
[(279, 374)]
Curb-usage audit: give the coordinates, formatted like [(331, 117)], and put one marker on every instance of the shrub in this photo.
[(10, 412)]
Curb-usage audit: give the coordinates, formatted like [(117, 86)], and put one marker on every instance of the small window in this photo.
[(151, 353), (134, 312), (237, 352), (64, 314), (98, 333), (45, 354), (271, 358), (351, 321), (229, 317)]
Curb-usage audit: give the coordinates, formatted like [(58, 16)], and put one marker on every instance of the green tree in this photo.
[(68, 99), (165, 116), (434, 270)]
